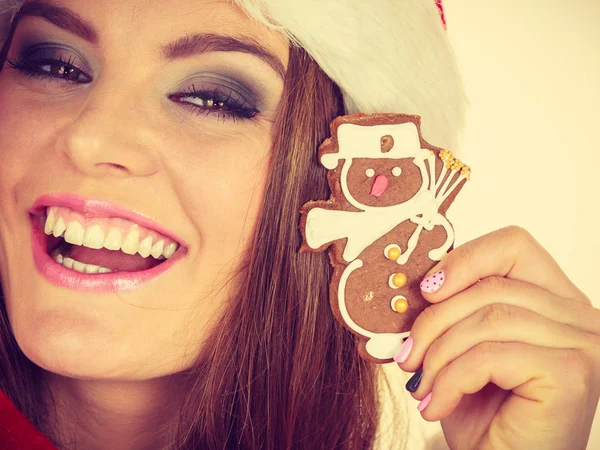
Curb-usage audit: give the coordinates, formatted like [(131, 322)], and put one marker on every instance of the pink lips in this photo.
[(379, 186), (59, 275)]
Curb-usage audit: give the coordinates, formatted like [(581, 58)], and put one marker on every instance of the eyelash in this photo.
[(32, 69), (236, 109)]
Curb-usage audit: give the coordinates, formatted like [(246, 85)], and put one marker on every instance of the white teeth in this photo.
[(74, 233), (131, 243), (157, 249), (91, 268), (113, 239), (94, 237), (145, 247), (59, 227), (170, 250), (79, 266), (50, 222)]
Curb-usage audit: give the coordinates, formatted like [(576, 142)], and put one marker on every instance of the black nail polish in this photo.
[(413, 384)]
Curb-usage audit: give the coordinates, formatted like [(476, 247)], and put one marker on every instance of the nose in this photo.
[(379, 186), (107, 138)]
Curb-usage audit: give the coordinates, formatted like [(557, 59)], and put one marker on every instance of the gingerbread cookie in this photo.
[(384, 224)]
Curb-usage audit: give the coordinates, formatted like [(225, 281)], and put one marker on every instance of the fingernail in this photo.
[(433, 282), (424, 403), (404, 350), (413, 384)]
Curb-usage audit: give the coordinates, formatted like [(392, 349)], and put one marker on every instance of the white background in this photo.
[(532, 73)]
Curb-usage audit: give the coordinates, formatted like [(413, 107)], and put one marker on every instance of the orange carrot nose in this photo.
[(379, 186)]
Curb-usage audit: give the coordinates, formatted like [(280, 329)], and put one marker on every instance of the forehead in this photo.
[(154, 23)]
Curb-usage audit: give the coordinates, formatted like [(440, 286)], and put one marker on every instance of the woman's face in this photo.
[(153, 106)]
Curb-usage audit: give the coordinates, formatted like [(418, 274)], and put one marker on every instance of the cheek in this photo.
[(27, 131), (14, 136), (223, 182)]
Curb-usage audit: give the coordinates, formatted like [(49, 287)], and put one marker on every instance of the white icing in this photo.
[(392, 285), (444, 196), (396, 171), (356, 264), (363, 227), (358, 141), (385, 345), (370, 173)]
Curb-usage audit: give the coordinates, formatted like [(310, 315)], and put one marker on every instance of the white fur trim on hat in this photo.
[(8, 9), (385, 55)]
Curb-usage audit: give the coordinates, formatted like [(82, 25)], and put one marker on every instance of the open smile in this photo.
[(93, 245)]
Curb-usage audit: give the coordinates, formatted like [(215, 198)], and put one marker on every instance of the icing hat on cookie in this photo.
[(385, 55), (376, 141)]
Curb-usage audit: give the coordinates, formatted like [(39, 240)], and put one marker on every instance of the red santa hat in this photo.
[(385, 55)]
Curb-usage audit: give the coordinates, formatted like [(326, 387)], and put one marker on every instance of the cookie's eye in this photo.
[(396, 171), (370, 173)]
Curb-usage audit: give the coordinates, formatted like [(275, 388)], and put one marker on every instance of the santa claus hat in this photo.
[(385, 55)]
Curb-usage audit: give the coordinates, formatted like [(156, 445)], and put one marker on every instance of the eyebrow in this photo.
[(208, 42), (61, 17), (181, 48)]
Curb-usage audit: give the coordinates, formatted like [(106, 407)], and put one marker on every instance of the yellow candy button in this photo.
[(399, 304), (393, 253), (399, 280)]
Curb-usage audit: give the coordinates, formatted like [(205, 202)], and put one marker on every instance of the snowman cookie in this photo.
[(384, 224)]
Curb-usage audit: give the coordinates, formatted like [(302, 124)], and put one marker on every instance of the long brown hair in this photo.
[(278, 372)]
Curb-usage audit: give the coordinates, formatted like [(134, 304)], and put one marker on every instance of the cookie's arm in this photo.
[(324, 226)]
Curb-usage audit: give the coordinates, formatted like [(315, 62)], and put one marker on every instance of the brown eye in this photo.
[(56, 69), (65, 71), (205, 103), (220, 102)]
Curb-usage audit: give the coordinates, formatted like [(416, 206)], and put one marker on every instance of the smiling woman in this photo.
[(153, 158)]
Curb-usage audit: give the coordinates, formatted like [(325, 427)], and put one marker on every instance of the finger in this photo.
[(497, 323), (510, 252), (534, 374), (438, 319)]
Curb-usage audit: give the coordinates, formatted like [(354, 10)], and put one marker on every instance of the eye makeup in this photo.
[(228, 84), (53, 61), (211, 91), (208, 93)]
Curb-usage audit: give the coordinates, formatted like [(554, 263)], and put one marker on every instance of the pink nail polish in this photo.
[(433, 282), (424, 403), (404, 350)]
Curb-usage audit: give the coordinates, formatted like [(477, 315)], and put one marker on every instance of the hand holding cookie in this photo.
[(508, 355)]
